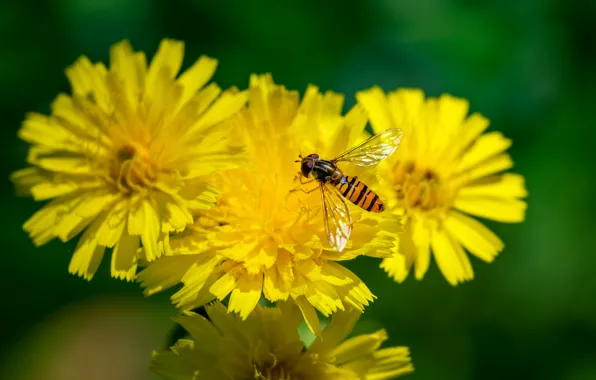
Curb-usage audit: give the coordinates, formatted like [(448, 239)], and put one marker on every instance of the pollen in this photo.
[(132, 169), (421, 188), (273, 371)]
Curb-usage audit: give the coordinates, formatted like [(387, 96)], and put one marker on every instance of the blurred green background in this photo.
[(529, 66)]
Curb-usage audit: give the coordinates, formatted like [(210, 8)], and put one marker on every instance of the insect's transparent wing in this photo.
[(338, 222), (375, 149)]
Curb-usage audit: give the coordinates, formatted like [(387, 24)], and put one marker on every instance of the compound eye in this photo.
[(314, 156), (306, 168)]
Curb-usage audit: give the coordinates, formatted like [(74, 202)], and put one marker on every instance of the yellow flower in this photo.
[(445, 170), (264, 238), (122, 157), (267, 346)]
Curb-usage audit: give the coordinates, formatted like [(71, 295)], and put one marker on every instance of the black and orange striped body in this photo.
[(358, 193), (350, 187)]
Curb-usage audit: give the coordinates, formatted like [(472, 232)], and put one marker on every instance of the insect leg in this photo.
[(309, 191), (306, 182), (304, 191)]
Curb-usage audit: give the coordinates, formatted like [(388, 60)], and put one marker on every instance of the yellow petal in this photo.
[(406, 105), (47, 190), (176, 364), (501, 210), (375, 104), (212, 153), (356, 293), (507, 185), (41, 226), (421, 236), (84, 131), (474, 125), (203, 266), (274, 288), (474, 236), (202, 298), (196, 77), (198, 195), (223, 286), (79, 75), (196, 276), (358, 346), (168, 60), (257, 259), (88, 254), (86, 208), (205, 98), (408, 113), (490, 166), (75, 164), (111, 231), (131, 69), (227, 322), (324, 298), (44, 130), (229, 103), (309, 314), (395, 266), (157, 107), (452, 112), (89, 79), (164, 273), (238, 251), (337, 330), (124, 257), (25, 179), (144, 221), (332, 273), (201, 329), (284, 266), (451, 258), (486, 146), (246, 294), (390, 363), (177, 216)]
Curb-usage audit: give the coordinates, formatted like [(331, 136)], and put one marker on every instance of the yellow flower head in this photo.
[(267, 346), (445, 169), (265, 238), (122, 157)]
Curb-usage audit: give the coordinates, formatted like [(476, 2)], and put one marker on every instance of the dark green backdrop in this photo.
[(530, 66)]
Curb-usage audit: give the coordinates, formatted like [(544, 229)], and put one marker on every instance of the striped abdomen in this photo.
[(359, 194)]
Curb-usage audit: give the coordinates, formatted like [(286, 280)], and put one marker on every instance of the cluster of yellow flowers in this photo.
[(197, 187)]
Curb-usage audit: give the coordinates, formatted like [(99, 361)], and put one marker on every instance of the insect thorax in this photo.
[(326, 171)]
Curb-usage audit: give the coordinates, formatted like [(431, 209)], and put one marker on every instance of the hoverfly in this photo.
[(335, 186)]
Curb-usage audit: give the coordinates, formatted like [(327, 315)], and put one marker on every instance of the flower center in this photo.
[(421, 189), (275, 372), (132, 169)]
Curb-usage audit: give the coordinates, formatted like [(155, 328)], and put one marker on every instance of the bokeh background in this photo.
[(530, 66)]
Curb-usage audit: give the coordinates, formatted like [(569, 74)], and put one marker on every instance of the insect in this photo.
[(335, 186)]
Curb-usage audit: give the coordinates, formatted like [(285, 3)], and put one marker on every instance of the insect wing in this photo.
[(375, 149), (338, 222)]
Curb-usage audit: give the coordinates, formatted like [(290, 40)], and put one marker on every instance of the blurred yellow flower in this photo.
[(123, 156), (267, 346), (445, 169), (262, 238)]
